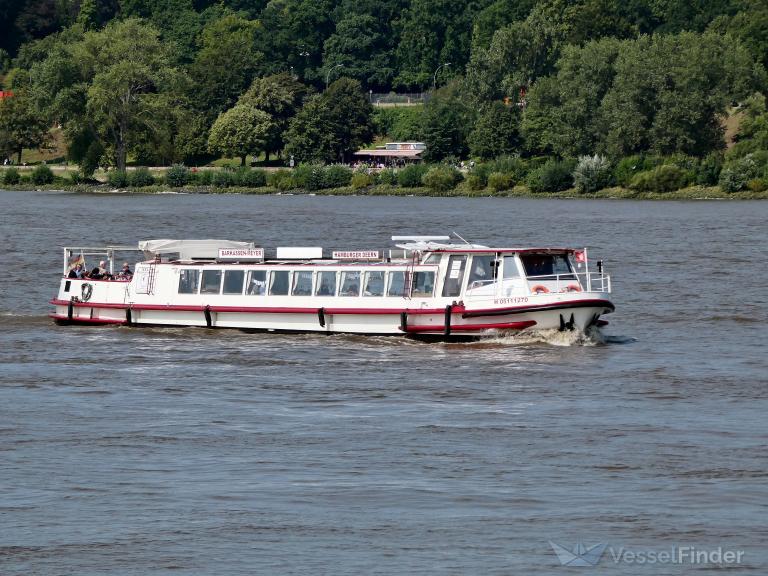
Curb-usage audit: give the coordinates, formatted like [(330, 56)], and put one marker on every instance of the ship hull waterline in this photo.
[(453, 322)]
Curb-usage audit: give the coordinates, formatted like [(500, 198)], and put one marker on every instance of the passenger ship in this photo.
[(427, 286)]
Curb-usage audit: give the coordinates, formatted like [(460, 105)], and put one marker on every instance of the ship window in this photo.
[(257, 283), (396, 284), (211, 282), (543, 265), (326, 284), (374, 284), (454, 275), (481, 271), (233, 281), (350, 283), (188, 281), (278, 285), (432, 259), (423, 283), (510, 267), (302, 283)]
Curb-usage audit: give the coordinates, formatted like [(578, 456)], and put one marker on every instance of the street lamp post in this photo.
[(434, 76), (328, 75)]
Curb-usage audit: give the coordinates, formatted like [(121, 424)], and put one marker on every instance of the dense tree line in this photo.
[(163, 81)]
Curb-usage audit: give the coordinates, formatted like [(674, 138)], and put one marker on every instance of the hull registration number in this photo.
[(515, 300)]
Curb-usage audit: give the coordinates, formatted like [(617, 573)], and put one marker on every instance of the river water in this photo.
[(188, 451)]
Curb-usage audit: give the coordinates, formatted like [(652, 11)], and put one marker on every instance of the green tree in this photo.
[(518, 55), (117, 84), (331, 126), (669, 93), (310, 135), (295, 31), (399, 123), (133, 89), (425, 29), (496, 131), (227, 61), (280, 96), (178, 21), (446, 125), (749, 25), (361, 44), (21, 125), (240, 131), (498, 15), (95, 13), (563, 115), (753, 129), (351, 116)]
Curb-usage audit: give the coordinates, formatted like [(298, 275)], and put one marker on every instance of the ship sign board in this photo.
[(355, 255), (241, 254)]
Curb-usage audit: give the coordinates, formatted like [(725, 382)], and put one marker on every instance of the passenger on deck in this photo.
[(77, 272), (257, 287), (100, 272), (125, 272)]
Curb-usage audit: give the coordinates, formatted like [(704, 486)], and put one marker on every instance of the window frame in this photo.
[(294, 279), (462, 272), (402, 293), (414, 276), (249, 282), (224, 282), (319, 283), (272, 276), (342, 283), (366, 280), (202, 279), (515, 263), (182, 272)]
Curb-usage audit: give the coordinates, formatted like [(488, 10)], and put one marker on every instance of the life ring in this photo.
[(86, 291), (573, 288), (539, 289)]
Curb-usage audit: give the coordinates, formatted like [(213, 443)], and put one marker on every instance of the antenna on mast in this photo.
[(460, 238)]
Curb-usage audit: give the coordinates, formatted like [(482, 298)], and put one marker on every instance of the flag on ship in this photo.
[(75, 261)]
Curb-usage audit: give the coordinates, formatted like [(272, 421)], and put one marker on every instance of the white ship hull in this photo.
[(545, 311)]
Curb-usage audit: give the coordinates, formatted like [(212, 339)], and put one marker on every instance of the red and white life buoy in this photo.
[(539, 289), (573, 288)]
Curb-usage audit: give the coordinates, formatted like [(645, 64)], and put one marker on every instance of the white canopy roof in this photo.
[(189, 249)]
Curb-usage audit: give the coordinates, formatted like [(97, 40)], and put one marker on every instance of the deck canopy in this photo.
[(189, 249)]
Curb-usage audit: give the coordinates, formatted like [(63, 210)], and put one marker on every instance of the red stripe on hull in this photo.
[(78, 320), (474, 327), (257, 309), (536, 307)]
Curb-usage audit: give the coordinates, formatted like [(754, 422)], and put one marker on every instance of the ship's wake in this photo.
[(592, 336)]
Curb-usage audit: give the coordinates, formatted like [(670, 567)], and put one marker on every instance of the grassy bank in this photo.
[(691, 193)]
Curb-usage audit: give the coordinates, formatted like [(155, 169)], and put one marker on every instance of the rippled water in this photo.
[(188, 451)]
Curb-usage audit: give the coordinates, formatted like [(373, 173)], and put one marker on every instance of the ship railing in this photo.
[(102, 252), (572, 282)]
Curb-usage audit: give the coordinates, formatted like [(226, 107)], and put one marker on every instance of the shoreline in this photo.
[(616, 193)]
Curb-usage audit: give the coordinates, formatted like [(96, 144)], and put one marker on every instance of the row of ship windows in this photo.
[(303, 283)]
